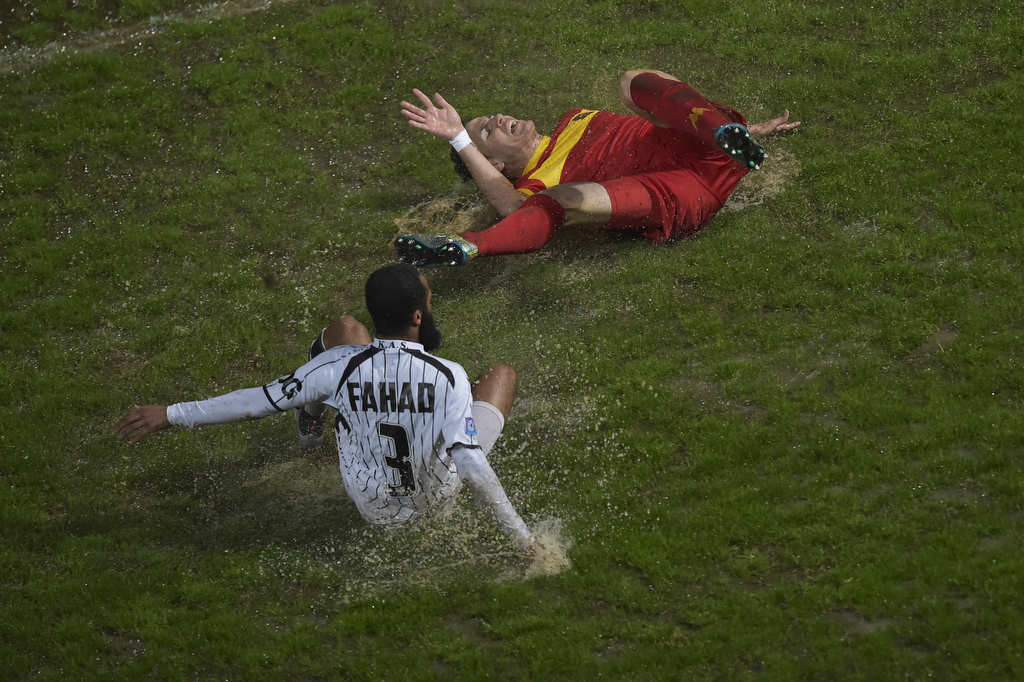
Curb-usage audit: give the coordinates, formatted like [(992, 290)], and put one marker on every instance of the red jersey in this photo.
[(586, 147), (594, 146)]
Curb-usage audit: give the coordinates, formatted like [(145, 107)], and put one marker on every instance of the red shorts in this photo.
[(661, 205)]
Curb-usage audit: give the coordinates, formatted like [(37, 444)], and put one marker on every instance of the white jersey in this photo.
[(401, 411)]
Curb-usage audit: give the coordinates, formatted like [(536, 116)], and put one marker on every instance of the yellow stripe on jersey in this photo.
[(551, 172)]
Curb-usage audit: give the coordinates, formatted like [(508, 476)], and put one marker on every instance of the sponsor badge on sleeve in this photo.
[(470, 426)]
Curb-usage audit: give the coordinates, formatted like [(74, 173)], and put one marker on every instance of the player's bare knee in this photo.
[(345, 331), (583, 203), (502, 372), (569, 195), (572, 197), (498, 373), (497, 385), (624, 87)]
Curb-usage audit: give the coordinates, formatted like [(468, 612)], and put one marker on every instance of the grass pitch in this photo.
[(788, 448)]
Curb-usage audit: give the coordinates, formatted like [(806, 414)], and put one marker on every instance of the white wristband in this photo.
[(461, 141)]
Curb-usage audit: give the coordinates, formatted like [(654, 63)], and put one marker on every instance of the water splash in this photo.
[(779, 171)]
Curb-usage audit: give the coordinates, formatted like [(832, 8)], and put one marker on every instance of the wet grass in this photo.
[(786, 448)]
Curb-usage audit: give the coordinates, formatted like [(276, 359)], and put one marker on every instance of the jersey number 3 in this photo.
[(401, 461)]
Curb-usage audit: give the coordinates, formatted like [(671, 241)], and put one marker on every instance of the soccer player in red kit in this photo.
[(664, 172)]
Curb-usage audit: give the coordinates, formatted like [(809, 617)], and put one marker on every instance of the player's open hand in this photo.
[(142, 421), (441, 120), (772, 126)]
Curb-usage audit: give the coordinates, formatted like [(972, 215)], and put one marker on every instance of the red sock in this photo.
[(682, 107), (527, 229)]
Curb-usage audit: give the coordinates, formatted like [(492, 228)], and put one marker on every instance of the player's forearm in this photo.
[(496, 188), (247, 403), (477, 474), (505, 203)]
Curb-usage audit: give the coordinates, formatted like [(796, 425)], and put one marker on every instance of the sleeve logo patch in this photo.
[(470, 426)]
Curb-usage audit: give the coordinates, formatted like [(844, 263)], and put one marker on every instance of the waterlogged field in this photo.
[(787, 448)]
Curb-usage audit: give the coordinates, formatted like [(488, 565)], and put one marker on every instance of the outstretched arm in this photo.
[(142, 421), (241, 405), (442, 120), (772, 126)]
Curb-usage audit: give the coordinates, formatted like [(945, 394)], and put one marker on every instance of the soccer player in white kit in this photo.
[(411, 430)]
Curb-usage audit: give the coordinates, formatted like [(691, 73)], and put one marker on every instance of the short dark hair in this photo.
[(393, 293), (460, 166)]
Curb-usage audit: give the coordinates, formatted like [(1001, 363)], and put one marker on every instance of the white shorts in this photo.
[(489, 423)]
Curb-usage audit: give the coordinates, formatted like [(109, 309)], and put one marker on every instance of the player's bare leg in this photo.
[(346, 331), (497, 385), (584, 203), (311, 419)]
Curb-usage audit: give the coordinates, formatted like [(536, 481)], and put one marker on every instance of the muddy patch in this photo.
[(778, 172), (937, 342), (856, 624), (330, 542)]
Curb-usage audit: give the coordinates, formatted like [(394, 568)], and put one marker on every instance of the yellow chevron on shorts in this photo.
[(695, 114)]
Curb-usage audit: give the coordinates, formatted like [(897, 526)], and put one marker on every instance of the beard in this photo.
[(430, 335)]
